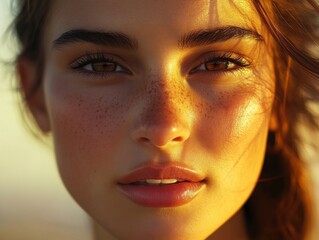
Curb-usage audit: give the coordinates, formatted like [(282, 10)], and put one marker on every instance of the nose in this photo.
[(161, 132), (164, 118), (161, 136)]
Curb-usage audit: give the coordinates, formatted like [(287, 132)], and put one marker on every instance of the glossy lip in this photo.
[(189, 184)]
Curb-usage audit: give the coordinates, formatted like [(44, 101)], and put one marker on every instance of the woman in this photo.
[(160, 112)]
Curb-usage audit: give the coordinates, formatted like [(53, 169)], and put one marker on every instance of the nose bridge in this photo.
[(163, 117), (163, 99)]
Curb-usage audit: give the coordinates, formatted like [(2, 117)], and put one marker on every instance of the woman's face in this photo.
[(159, 111)]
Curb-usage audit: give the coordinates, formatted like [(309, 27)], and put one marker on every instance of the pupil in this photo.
[(103, 67), (215, 66)]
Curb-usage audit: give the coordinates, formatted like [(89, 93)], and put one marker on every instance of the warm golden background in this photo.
[(33, 203)]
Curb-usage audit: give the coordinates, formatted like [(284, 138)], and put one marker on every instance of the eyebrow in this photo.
[(111, 39), (121, 40), (206, 37)]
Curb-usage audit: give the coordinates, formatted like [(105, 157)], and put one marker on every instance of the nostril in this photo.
[(160, 136), (178, 139), (159, 142), (144, 139)]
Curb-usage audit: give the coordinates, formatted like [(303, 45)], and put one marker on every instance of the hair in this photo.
[(280, 206), (286, 201)]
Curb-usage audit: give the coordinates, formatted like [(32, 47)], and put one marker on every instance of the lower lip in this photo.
[(160, 196)]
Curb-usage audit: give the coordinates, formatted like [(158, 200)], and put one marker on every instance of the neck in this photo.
[(100, 233), (234, 228)]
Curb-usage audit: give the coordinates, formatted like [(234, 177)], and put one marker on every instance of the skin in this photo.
[(105, 125)]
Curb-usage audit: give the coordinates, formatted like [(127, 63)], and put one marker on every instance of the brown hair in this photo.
[(280, 206), (28, 26), (283, 190)]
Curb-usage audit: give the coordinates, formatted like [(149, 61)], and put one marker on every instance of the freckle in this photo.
[(80, 102)]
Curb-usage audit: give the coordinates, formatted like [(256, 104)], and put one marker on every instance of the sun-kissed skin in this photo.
[(162, 106)]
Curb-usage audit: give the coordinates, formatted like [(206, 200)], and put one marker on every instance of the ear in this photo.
[(34, 98)]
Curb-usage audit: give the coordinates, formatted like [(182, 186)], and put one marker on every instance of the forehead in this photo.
[(145, 17)]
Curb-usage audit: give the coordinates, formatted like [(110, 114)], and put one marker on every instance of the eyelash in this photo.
[(228, 58), (238, 62), (91, 58)]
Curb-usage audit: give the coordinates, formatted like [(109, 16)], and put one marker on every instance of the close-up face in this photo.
[(159, 111)]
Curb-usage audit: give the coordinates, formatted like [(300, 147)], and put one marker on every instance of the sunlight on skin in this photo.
[(107, 112), (91, 116)]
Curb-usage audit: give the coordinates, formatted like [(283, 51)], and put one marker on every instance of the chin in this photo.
[(160, 229)]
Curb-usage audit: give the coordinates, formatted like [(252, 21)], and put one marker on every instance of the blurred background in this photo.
[(33, 202)]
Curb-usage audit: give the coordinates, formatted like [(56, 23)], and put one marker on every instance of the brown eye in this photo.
[(102, 67), (98, 63), (223, 63), (218, 65)]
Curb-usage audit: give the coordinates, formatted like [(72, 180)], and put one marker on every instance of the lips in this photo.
[(160, 186)]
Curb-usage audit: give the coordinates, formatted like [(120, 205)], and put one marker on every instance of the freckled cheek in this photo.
[(233, 120), (86, 131)]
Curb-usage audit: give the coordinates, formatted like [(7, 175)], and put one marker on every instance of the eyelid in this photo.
[(238, 59), (96, 57)]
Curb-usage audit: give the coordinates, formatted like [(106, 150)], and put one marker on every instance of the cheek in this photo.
[(86, 128), (232, 118), (233, 135), (77, 120)]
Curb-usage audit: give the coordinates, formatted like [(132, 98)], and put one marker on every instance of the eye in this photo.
[(222, 63), (217, 65), (97, 63), (103, 67)]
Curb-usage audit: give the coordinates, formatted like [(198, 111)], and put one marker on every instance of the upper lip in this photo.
[(162, 171)]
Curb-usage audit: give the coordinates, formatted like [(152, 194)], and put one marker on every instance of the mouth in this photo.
[(157, 181), (169, 185)]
